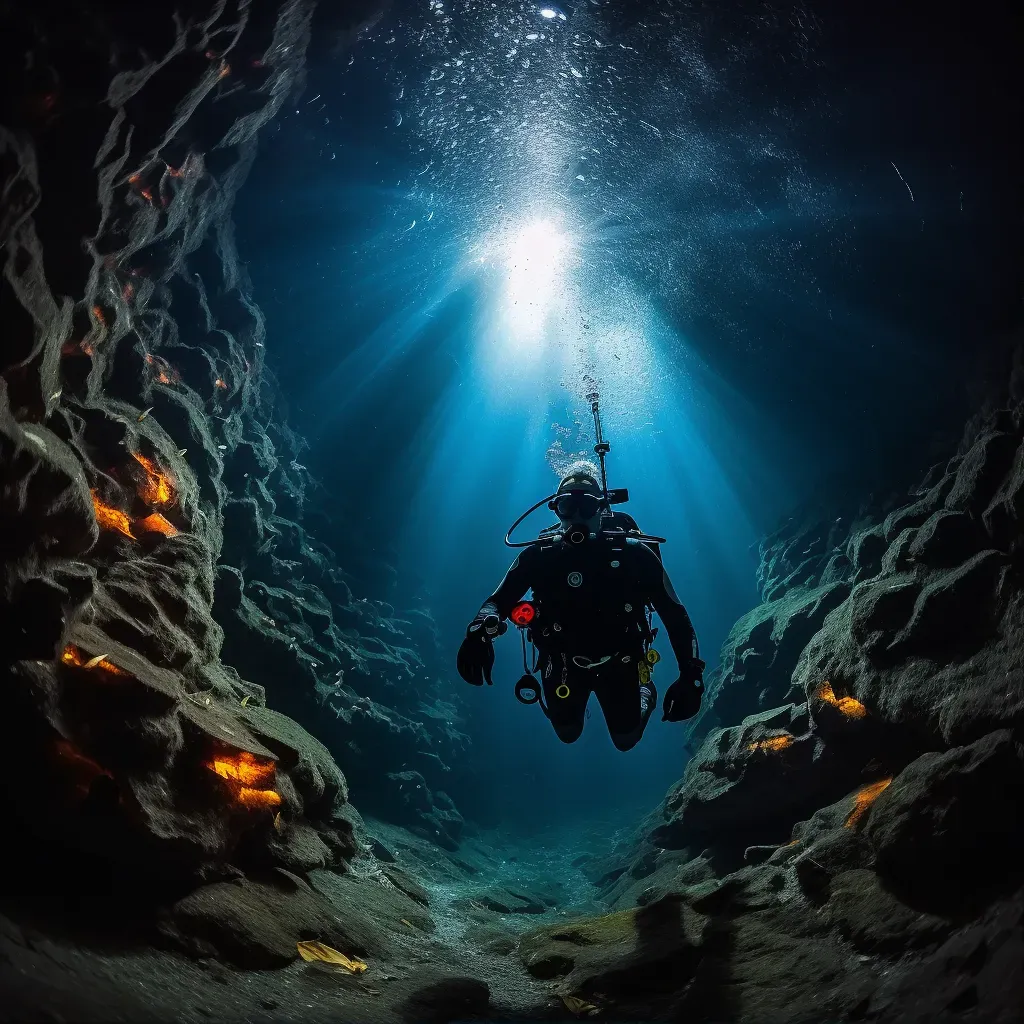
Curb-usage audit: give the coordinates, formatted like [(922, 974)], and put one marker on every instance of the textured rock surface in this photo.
[(876, 800), (160, 588)]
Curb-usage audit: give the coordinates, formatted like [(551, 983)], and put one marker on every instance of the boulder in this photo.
[(949, 831), (255, 924)]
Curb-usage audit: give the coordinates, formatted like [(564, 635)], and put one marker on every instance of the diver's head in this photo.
[(578, 502)]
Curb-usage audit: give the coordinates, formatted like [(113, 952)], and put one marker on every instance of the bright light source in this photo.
[(547, 12), (535, 258)]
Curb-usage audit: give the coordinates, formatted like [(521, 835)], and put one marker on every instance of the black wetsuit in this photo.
[(590, 599)]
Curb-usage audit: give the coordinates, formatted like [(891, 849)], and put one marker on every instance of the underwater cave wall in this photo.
[(152, 497)]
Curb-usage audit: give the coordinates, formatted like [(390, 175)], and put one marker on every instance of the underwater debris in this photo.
[(772, 743), (158, 488), (110, 518), (313, 952), (73, 656), (864, 799), (97, 313), (579, 1006), (849, 706), (156, 523), (219, 382), (144, 414)]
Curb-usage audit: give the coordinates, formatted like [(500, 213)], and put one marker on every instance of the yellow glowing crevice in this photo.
[(158, 488), (847, 705), (772, 743), (864, 799)]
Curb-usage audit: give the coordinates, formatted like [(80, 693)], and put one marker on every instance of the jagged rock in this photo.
[(865, 551), (976, 971), (1003, 517), (874, 921), (876, 606), (979, 475), (966, 598), (254, 924), (762, 647), (950, 828), (750, 784), (946, 539)]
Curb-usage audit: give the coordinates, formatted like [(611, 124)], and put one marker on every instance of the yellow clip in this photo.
[(653, 657), (562, 691)]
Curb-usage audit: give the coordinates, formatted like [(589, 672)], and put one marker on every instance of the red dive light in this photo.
[(523, 614)]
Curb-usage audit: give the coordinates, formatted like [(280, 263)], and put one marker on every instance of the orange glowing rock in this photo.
[(156, 523), (255, 798), (772, 743), (158, 488), (242, 767), (110, 518), (249, 773), (864, 799), (98, 314), (219, 383), (225, 70), (847, 705)]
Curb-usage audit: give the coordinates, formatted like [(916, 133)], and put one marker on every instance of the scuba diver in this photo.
[(595, 579)]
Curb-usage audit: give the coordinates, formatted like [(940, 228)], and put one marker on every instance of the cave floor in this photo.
[(480, 899)]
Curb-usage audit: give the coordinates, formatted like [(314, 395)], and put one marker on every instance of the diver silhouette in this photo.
[(595, 579)]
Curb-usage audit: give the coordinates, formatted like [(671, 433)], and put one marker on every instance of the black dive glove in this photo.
[(683, 697), (476, 655)]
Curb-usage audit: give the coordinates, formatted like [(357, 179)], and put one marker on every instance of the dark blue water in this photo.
[(769, 235)]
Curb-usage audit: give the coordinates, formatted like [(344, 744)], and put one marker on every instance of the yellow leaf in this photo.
[(93, 662), (246, 699), (578, 1006), (313, 951), (408, 924)]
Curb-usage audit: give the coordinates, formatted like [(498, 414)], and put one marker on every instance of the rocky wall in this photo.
[(164, 607), (848, 840)]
